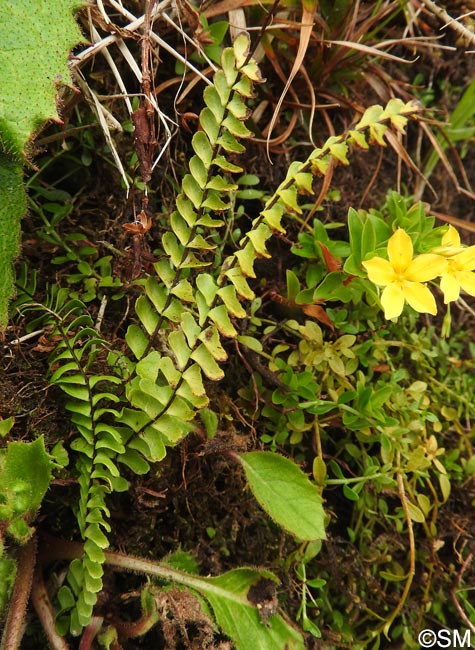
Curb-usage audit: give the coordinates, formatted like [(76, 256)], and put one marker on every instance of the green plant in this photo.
[(30, 63), (367, 403)]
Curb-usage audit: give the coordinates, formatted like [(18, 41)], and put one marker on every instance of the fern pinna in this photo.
[(142, 405)]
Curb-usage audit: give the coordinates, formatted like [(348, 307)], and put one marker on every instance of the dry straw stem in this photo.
[(453, 23)]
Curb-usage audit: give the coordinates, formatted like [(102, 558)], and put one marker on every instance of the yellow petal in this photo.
[(467, 281), (425, 267), (400, 250), (451, 238), (379, 271), (419, 297), (392, 300), (450, 287), (466, 259)]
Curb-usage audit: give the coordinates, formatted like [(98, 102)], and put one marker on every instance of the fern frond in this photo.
[(184, 312), (100, 447)]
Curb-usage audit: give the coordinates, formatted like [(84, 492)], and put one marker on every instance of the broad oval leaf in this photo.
[(285, 493)]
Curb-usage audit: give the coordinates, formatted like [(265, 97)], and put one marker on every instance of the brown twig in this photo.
[(453, 593), (15, 623), (44, 611)]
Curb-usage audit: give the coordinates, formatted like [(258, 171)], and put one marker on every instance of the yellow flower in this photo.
[(402, 276), (460, 266)]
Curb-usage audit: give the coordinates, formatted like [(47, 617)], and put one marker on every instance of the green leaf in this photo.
[(228, 65), (206, 362), (5, 427), (228, 595), (220, 184), (170, 242), (213, 101), (258, 237), (212, 202), (240, 283), (147, 314), (192, 376), (179, 348), (210, 338), (228, 296), (209, 125), (219, 316), (184, 291), (136, 340), (236, 127), (198, 170), (178, 223), (208, 287), (225, 165), (12, 210), (150, 445), (229, 143), (241, 47), (202, 148), (285, 493), (238, 108), (186, 209), (25, 475), (134, 461), (36, 40), (246, 258)]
